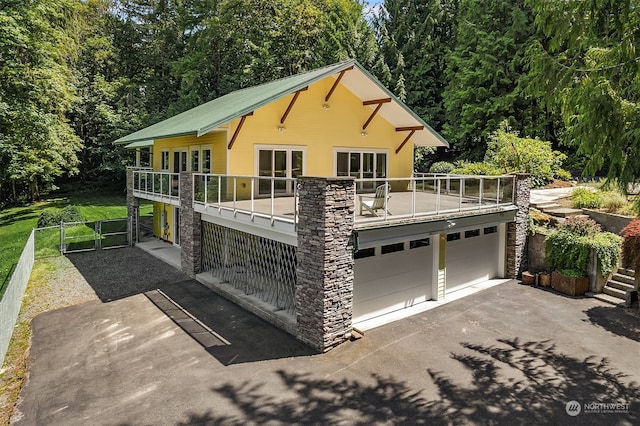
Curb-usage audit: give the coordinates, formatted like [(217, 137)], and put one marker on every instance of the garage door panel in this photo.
[(385, 283), (374, 307), (472, 260)]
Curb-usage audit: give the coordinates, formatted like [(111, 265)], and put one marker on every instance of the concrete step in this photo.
[(620, 285), (545, 205), (621, 278), (564, 212), (606, 298), (614, 292), (628, 272)]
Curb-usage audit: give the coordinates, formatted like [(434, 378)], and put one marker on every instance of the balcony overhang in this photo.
[(371, 234), (167, 199)]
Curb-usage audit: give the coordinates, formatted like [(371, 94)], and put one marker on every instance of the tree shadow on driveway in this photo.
[(615, 320), (228, 332), (513, 382)]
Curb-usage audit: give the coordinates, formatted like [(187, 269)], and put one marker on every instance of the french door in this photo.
[(279, 163)]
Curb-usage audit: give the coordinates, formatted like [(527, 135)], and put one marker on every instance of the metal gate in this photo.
[(87, 236)]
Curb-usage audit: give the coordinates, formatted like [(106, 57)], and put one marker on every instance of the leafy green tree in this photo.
[(101, 112), (36, 90), (513, 154), (588, 69), (488, 76)]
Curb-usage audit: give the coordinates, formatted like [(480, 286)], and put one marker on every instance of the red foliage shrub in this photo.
[(631, 245)]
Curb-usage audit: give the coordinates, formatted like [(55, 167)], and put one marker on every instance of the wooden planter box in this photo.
[(528, 278), (571, 286), (544, 279)]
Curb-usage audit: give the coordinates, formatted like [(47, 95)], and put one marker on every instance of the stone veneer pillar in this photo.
[(324, 287), (517, 231), (132, 204), (190, 228)]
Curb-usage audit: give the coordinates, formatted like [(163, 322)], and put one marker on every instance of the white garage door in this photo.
[(472, 256), (391, 277)]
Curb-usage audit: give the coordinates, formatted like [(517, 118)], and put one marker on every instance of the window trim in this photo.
[(165, 162), (362, 151)]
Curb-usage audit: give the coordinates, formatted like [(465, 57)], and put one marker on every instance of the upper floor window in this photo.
[(279, 162), (206, 160), (361, 165), (164, 160)]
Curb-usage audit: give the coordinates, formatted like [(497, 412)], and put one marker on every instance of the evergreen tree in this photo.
[(588, 69), (487, 75)]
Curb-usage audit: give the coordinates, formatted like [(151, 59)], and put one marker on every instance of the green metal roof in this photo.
[(222, 110), (140, 144)]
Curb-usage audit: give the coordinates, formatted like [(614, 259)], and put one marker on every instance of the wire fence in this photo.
[(54, 241)]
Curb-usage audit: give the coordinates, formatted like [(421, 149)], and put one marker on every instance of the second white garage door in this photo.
[(472, 256)]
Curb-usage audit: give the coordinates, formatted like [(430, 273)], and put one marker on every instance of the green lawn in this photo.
[(16, 224)]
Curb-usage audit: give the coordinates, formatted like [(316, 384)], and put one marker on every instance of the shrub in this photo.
[(53, 216), (565, 249), (562, 174), (464, 168), (580, 226), (631, 245), (584, 198), (49, 217), (613, 201), (441, 167), (513, 154), (71, 214)]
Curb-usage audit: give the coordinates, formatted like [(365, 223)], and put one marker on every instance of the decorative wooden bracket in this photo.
[(378, 103), (235, 134), (411, 130), (293, 101), (335, 83)]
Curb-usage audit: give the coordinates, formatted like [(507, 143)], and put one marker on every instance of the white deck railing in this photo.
[(276, 199), (271, 198), (157, 186)]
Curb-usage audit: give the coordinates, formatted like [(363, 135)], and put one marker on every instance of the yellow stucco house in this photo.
[(298, 196)]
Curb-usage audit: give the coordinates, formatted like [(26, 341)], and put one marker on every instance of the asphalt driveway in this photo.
[(163, 350)]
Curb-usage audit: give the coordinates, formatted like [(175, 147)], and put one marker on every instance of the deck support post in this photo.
[(190, 228), (132, 205), (324, 272), (517, 231)]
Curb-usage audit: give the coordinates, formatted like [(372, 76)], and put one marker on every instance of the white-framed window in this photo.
[(281, 161), (194, 159), (361, 164), (205, 153), (164, 159), (180, 162)]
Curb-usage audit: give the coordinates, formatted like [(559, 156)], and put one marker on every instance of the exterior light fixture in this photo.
[(281, 128), (363, 133), (450, 224), (326, 106)]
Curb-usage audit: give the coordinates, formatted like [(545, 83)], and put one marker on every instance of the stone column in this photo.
[(190, 228), (324, 285), (132, 205), (517, 231)]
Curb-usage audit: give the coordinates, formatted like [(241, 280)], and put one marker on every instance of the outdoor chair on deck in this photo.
[(377, 201)]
